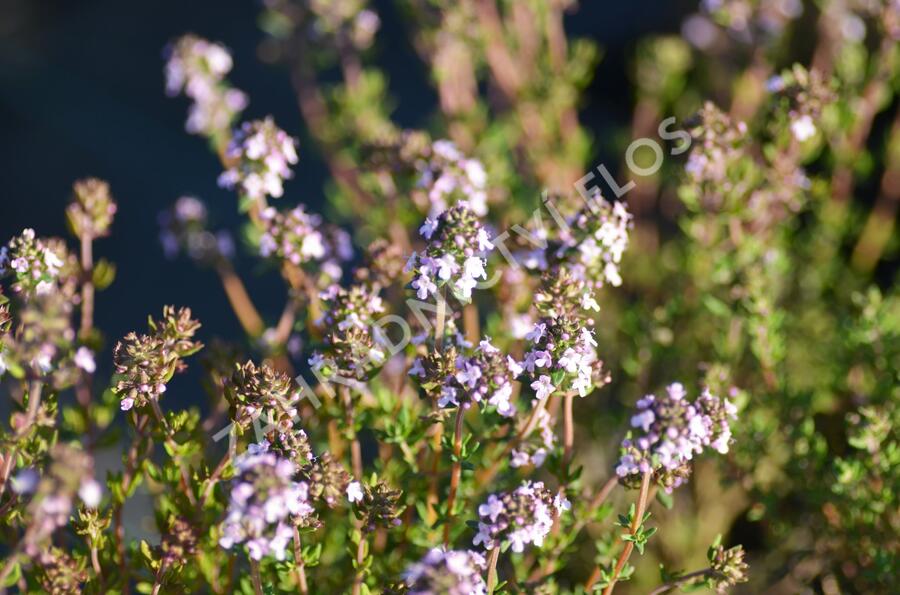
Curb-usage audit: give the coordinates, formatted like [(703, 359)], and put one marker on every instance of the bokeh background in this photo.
[(81, 94)]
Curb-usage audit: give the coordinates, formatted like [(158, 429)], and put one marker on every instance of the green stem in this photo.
[(456, 472)]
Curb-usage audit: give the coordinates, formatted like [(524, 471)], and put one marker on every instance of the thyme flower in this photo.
[(518, 518), (670, 431), (146, 363), (260, 155), (91, 212), (197, 68), (447, 177), (265, 500), (454, 572), (454, 255)]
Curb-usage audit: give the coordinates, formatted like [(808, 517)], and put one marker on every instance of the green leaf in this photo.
[(665, 499), (14, 575), (104, 274)]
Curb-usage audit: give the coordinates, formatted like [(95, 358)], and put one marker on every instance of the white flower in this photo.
[(465, 286), (484, 243), (514, 367), (354, 491), (803, 128), (492, 508), (588, 302), (90, 493), (500, 399), (84, 359), (423, 286), (474, 267), (446, 267)]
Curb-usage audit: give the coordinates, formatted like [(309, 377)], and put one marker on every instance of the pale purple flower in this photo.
[(447, 178), (672, 431), (442, 572), (454, 256), (521, 517), (261, 155), (265, 501), (84, 359), (543, 387)]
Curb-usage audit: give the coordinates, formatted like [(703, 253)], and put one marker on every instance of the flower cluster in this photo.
[(453, 255), (299, 237), (329, 481), (716, 150), (183, 227), (377, 505), (518, 518), (40, 265), (447, 177), (670, 431), (484, 377), (727, 567), (383, 264), (146, 363), (345, 20), (58, 573), (254, 390), (750, 19), (265, 502), (454, 572), (42, 344), (598, 237), (806, 94), (70, 473), (197, 68), (326, 478), (562, 354), (179, 543), (259, 156), (91, 213), (334, 22), (353, 346)]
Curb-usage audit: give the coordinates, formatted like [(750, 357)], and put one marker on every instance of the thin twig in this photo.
[(254, 576), (680, 581), (360, 558), (629, 545), (216, 474), (355, 448), (299, 564), (157, 581), (492, 569), (240, 301)]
